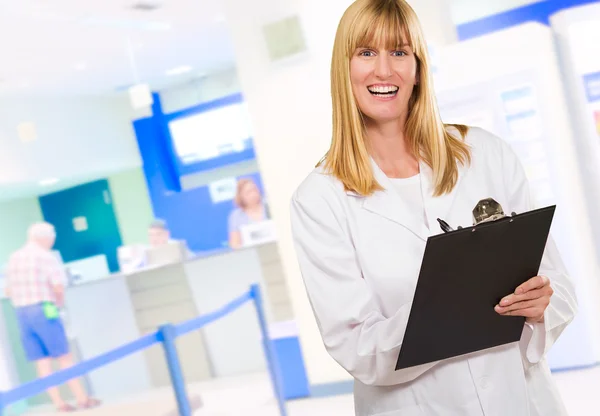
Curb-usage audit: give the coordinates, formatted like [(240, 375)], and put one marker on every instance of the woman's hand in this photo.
[(529, 300)]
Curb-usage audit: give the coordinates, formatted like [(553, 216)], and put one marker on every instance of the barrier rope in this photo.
[(165, 335)]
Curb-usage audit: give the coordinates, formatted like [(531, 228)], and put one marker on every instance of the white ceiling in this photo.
[(75, 46)]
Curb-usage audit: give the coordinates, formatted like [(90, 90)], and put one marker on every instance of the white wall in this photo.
[(207, 89), (15, 218), (76, 136)]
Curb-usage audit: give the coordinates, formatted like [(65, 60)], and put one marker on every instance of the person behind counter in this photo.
[(251, 209), (35, 285), (160, 235)]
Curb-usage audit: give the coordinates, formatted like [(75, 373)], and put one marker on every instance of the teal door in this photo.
[(85, 222)]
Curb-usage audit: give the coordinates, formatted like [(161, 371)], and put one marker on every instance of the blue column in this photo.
[(168, 337), (272, 362)]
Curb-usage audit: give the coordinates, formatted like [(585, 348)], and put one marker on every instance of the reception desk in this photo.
[(109, 312)]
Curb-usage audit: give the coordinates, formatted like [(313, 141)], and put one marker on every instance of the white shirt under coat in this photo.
[(360, 260)]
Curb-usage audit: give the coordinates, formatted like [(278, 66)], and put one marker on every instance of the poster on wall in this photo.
[(521, 112), (591, 84)]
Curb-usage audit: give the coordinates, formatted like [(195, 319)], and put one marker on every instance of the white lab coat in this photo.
[(360, 259)]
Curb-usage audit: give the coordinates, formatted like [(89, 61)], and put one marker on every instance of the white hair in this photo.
[(41, 230)]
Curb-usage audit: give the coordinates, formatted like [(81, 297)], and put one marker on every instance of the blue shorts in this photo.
[(41, 337)]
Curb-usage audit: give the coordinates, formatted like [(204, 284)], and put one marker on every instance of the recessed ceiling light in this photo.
[(146, 6), (179, 70), (27, 131), (134, 24), (49, 181)]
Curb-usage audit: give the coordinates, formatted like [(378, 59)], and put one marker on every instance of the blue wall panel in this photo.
[(94, 202), (536, 12), (190, 214)]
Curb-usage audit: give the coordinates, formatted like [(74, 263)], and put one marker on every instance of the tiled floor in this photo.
[(251, 396)]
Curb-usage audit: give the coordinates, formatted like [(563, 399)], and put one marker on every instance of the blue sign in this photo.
[(591, 84)]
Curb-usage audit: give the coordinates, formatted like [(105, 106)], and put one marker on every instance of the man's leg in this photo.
[(75, 385), (44, 369), (29, 318)]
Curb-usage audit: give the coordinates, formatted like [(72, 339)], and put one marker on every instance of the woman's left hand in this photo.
[(529, 300)]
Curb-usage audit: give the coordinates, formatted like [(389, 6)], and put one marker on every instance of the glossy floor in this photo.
[(251, 396)]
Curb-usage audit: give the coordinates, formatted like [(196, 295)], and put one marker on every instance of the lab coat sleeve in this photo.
[(353, 328), (538, 338)]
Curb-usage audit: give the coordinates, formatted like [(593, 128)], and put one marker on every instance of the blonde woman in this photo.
[(361, 220), (250, 210)]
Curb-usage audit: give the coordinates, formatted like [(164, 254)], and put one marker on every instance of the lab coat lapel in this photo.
[(439, 206), (390, 205)]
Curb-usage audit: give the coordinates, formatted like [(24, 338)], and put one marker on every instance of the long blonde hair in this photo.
[(364, 23)]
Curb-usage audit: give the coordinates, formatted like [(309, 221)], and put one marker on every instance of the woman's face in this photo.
[(250, 195), (383, 81)]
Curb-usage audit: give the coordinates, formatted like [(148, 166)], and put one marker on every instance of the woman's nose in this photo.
[(383, 68)]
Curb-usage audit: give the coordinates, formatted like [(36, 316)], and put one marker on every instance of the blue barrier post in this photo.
[(269, 349), (168, 336)]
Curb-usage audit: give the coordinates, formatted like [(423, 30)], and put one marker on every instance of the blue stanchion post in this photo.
[(168, 336), (269, 349)]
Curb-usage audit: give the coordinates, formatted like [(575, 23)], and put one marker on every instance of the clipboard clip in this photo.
[(486, 210)]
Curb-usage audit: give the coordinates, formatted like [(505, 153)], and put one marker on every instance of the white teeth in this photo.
[(383, 89)]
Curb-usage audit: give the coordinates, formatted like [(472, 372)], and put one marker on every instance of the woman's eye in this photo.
[(366, 53), (400, 53)]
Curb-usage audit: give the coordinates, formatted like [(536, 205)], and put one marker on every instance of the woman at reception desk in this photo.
[(249, 223)]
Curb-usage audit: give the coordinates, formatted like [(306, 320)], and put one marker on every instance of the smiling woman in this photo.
[(361, 221), (380, 47)]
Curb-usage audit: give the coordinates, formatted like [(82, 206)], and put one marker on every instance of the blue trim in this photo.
[(577, 368), (332, 389), (218, 162), (164, 147), (536, 12)]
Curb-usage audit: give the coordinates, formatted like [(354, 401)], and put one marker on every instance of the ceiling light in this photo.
[(146, 6), (126, 24), (49, 181), (81, 66), (26, 131), (179, 70), (140, 96)]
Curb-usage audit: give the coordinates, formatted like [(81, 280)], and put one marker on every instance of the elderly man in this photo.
[(35, 284)]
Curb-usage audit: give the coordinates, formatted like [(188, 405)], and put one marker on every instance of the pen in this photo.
[(444, 226)]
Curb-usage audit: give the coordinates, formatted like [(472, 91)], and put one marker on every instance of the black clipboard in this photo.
[(464, 274)]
